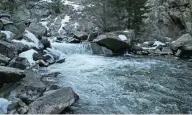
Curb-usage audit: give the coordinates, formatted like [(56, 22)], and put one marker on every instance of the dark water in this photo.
[(126, 84)]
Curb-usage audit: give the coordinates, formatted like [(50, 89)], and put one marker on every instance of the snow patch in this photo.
[(45, 23), (49, 1), (29, 56), (9, 35), (63, 22), (158, 43), (122, 37), (3, 105), (25, 42), (75, 6)]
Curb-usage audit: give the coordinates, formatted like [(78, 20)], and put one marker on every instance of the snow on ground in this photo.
[(3, 105), (25, 42), (29, 56), (44, 23), (75, 6), (156, 44), (63, 22), (31, 41), (49, 1), (122, 37), (9, 35)]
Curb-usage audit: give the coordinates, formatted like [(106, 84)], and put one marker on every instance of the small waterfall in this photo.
[(69, 49)]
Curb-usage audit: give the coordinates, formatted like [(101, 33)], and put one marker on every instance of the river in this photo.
[(124, 84)]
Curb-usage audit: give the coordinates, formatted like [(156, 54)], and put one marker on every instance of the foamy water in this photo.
[(124, 84)]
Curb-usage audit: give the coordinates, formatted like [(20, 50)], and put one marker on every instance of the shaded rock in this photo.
[(2, 36), (7, 49), (46, 43), (20, 63), (4, 60), (73, 40), (99, 50), (14, 30), (53, 103), (92, 36), (10, 75), (37, 29), (80, 35), (112, 42), (31, 87), (20, 47), (60, 60), (1, 25)]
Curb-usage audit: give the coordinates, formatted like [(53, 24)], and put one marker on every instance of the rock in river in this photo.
[(53, 103)]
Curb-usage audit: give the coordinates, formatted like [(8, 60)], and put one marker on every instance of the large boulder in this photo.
[(20, 63), (80, 35), (17, 107), (7, 49), (182, 46), (10, 75), (99, 50), (113, 42), (31, 87), (37, 29), (53, 103), (4, 60), (181, 41)]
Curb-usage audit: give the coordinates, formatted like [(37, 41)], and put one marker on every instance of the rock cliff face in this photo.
[(168, 19)]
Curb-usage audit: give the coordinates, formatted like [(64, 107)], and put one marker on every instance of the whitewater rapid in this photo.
[(124, 84)]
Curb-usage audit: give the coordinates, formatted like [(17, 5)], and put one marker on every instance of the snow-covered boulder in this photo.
[(29, 56)]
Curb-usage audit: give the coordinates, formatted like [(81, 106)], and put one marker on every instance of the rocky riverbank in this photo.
[(26, 46)]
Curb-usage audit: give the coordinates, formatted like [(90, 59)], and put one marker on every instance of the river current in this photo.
[(124, 84)]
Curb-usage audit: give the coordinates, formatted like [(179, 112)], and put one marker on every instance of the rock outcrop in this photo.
[(168, 18), (10, 75)]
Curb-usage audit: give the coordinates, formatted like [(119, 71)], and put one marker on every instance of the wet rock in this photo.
[(80, 35), (60, 60), (17, 106), (10, 75), (14, 30), (99, 50), (20, 63), (7, 49), (31, 87), (4, 60), (37, 29), (112, 42), (53, 103)]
